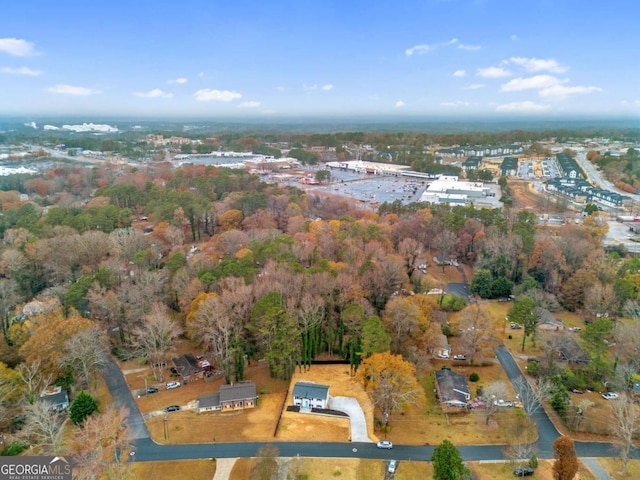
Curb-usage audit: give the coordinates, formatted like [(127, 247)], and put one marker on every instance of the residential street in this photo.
[(148, 450)]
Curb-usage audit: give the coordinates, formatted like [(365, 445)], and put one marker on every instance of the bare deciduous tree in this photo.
[(155, 338), (44, 428), (103, 444), (625, 416), (86, 353), (477, 329), (492, 393), (33, 379), (217, 329)]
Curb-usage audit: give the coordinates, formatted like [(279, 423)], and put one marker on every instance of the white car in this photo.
[(444, 354), (459, 357), (610, 396), (384, 444), (392, 466), (172, 385)]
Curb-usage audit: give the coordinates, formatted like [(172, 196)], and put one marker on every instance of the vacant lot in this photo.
[(198, 469)]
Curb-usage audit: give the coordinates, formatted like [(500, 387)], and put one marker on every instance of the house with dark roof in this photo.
[(209, 402), (238, 396), (187, 366), (311, 395), (569, 350), (452, 389), (471, 163), (55, 398), (509, 167)]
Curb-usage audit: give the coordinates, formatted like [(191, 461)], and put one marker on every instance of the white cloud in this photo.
[(460, 73), (309, 88), (328, 87), (249, 104), (453, 41), (179, 80), (17, 47), (418, 49), (22, 71), (399, 104), (280, 89), (474, 86), (522, 107), (211, 95), (155, 93), (536, 82), (637, 102), (561, 91), (493, 72), (471, 48), (457, 103), (539, 64), (201, 75), (514, 38), (72, 90)]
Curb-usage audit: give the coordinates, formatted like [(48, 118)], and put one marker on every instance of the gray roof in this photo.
[(187, 365), (238, 391), (450, 385), (210, 400), (56, 399), (310, 390)]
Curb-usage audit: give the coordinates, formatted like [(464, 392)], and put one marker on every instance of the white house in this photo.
[(310, 395)]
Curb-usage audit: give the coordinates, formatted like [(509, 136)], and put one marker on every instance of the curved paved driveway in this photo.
[(351, 407)]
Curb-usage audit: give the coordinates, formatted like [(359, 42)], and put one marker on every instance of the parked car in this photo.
[(171, 385), (443, 354), (459, 357), (384, 444), (610, 396), (392, 466), (515, 326), (172, 408), (575, 329), (152, 390), (502, 403), (523, 472)]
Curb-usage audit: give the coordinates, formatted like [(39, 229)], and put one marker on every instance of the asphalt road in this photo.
[(147, 450)]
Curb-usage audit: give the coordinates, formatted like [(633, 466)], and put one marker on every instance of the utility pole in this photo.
[(166, 425)]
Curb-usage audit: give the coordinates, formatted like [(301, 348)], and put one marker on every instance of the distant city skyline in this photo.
[(212, 59)]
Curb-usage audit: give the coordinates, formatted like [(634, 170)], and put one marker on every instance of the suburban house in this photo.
[(570, 351), (56, 398), (471, 163), (311, 395), (187, 366), (452, 389), (509, 167), (238, 396)]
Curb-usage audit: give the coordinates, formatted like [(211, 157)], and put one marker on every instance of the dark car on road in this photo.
[(152, 390), (523, 472), (172, 408)]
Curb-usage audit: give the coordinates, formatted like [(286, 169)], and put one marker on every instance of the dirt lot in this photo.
[(198, 470)]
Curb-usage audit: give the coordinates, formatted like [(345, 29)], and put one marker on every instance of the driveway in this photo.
[(351, 407), (123, 398)]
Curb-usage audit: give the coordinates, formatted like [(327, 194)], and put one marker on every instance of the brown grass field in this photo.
[(191, 469)]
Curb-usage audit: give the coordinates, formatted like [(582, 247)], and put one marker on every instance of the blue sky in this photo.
[(460, 58)]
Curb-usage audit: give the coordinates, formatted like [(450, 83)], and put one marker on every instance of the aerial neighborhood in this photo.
[(393, 303)]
